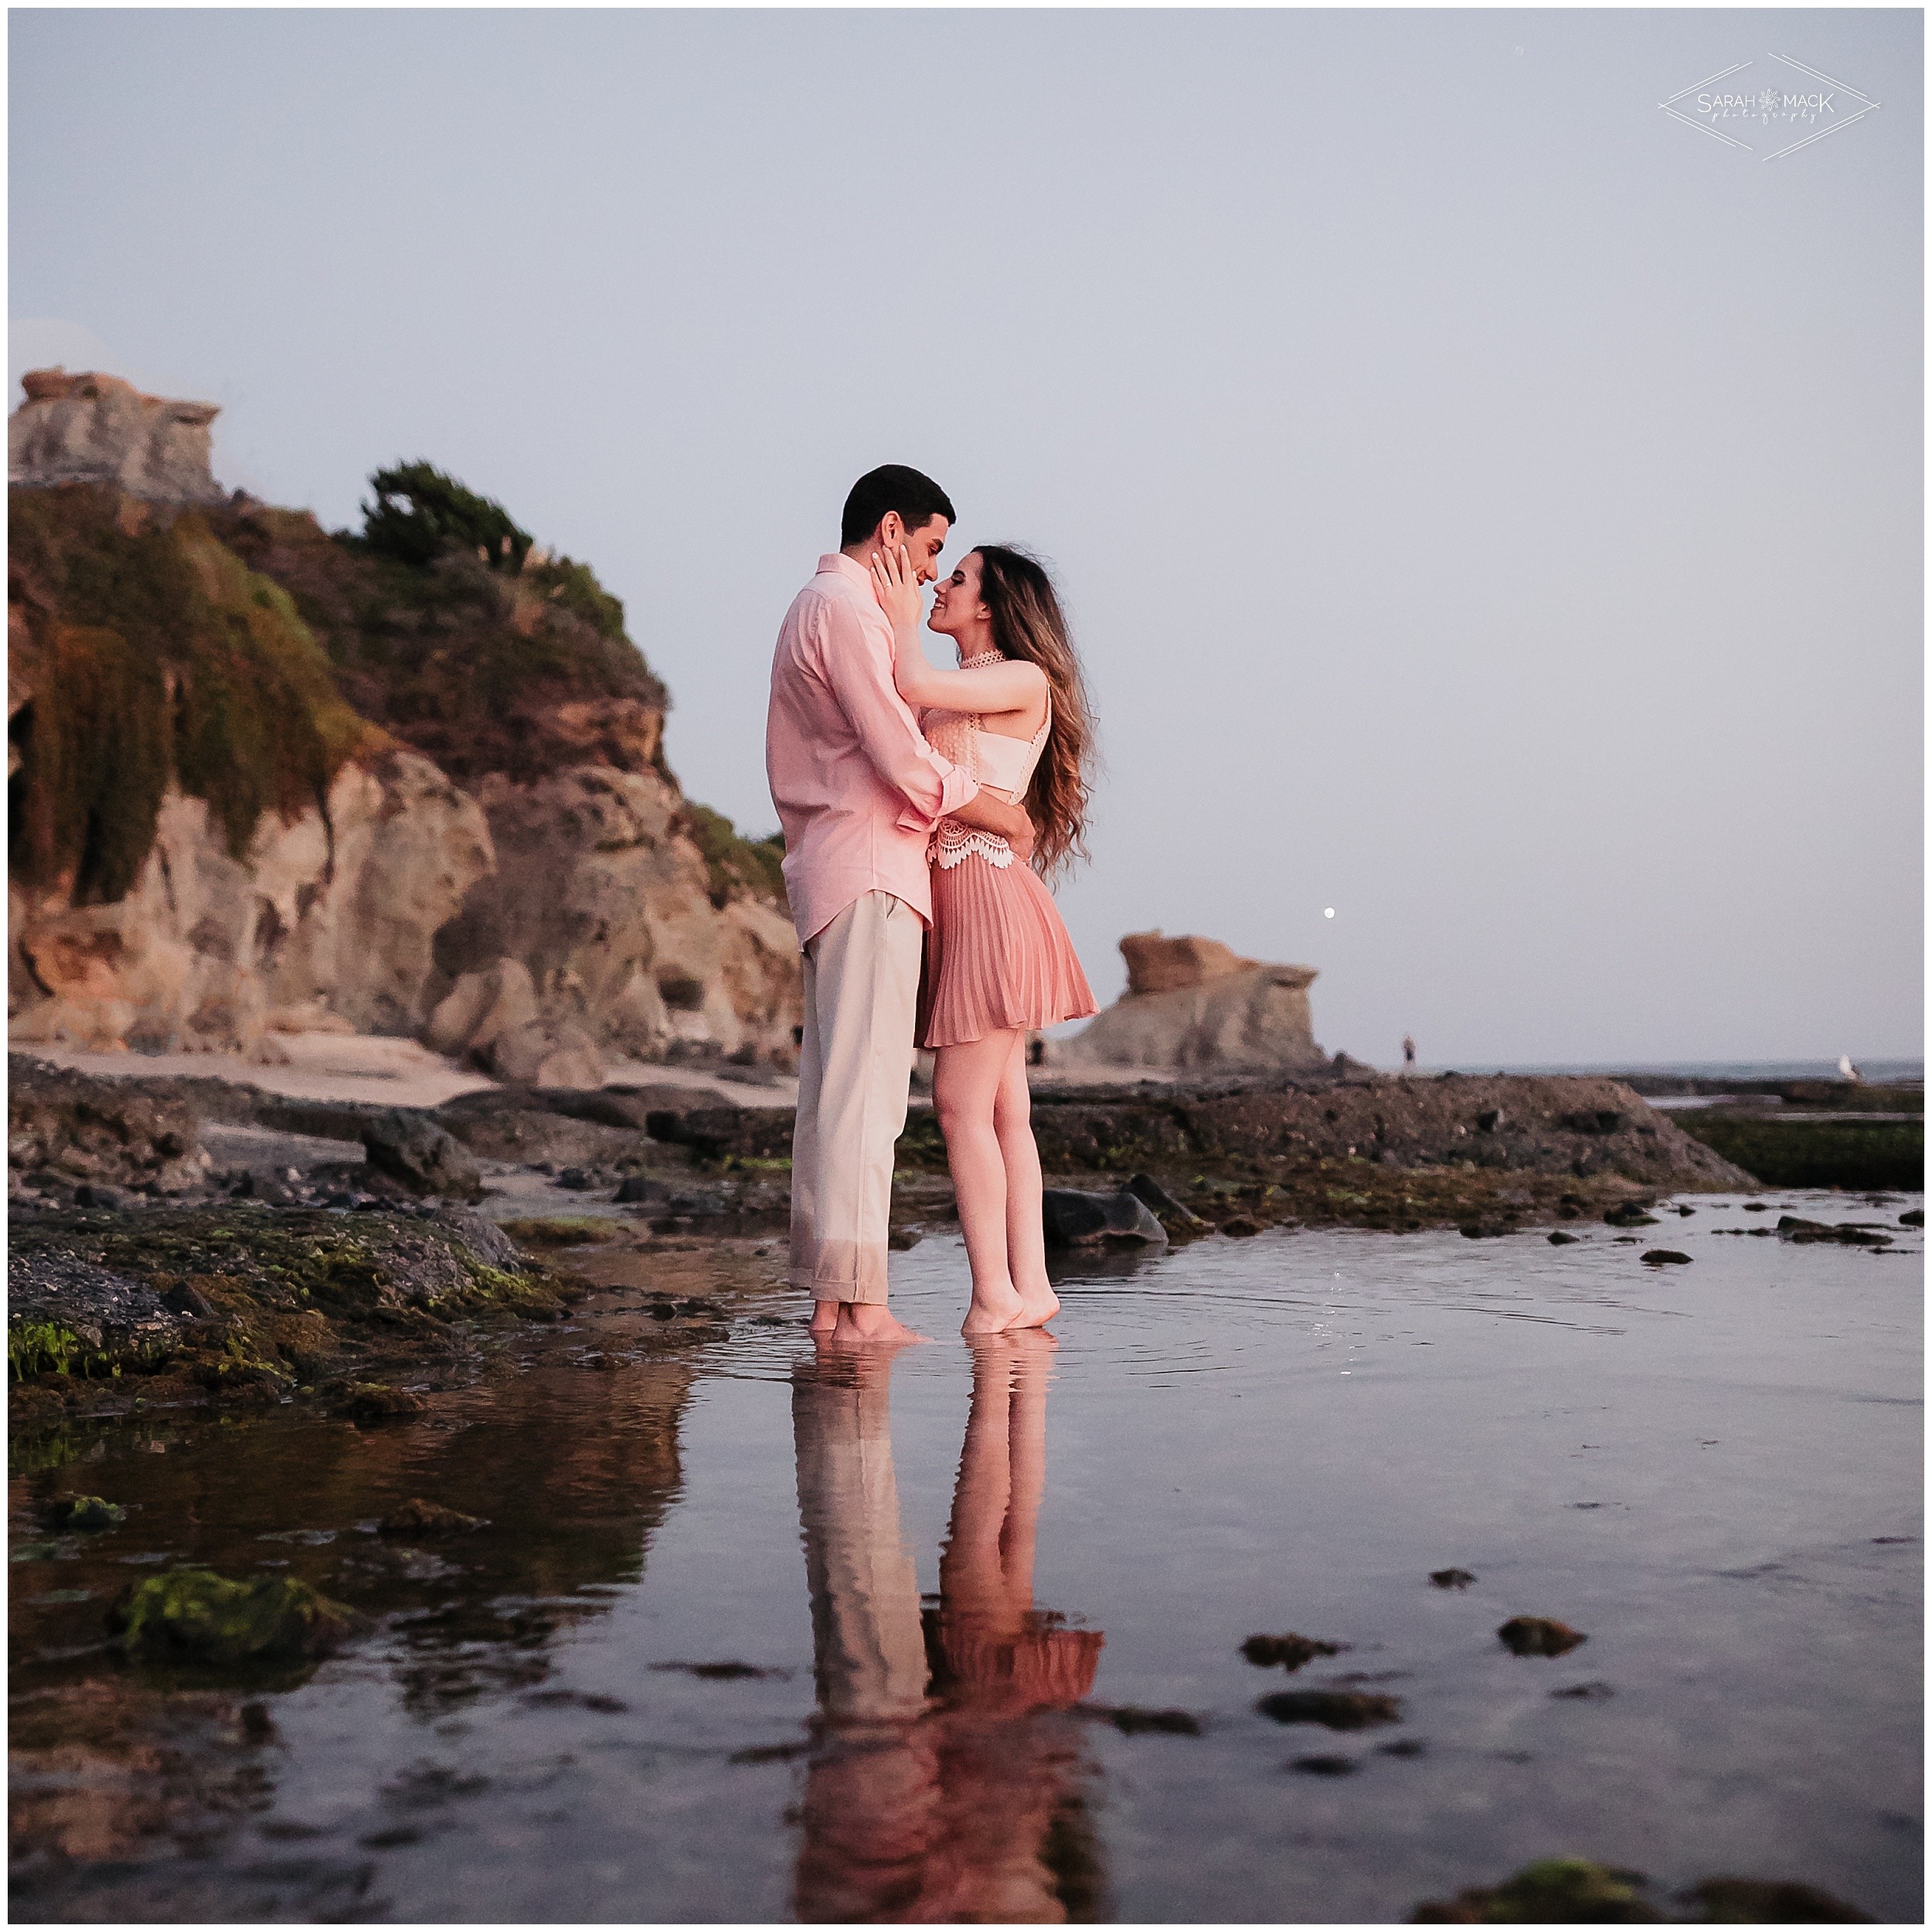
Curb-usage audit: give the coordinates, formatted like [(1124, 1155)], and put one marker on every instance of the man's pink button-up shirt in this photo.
[(858, 788)]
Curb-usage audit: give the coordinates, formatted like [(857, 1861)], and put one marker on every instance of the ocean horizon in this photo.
[(1875, 1071)]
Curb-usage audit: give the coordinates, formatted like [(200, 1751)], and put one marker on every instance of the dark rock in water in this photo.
[(661, 1311), (417, 1518), (729, 1671), (1592, 1692), (411, 1147), (1912, 1218), (376, 1402), (1241, 1227), (197, 1616), (1557, 1239), (1452, 1579), (1291, 1651), (1131, 1718), (1630, 1240), (1792, 1227), (900, 1241), (1664, 1258), (576, 1180), (1402, 1748), (1482, 1230), (1757, 1207), (1630, 1214), (1145, 1188), (1682, 1209), (1551, 1892), (1339, 1710), (1324, 1767), (88, 1512), (1539, 1637), (1728, 1901), (639, 1190), (1079, 1219)]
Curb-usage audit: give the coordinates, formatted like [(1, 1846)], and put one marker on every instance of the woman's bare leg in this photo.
[(966, 1083), (1025, 1237)]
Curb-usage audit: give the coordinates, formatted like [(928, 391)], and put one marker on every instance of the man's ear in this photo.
[(892, 530)]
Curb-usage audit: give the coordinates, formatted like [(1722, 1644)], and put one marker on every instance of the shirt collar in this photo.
[(836, 562)]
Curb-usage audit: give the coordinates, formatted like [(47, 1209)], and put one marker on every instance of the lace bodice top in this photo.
[(1006, 763)]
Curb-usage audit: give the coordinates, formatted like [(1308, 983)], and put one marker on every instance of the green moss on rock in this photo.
[(152, 653), (198, 1616)]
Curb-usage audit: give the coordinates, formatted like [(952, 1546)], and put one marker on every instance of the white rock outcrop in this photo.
[(1193, 1006), (92, 428)]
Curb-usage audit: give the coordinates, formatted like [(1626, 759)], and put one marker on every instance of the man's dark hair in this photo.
[(917, 498)]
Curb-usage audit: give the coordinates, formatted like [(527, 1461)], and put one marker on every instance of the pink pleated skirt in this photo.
[(998, 956)]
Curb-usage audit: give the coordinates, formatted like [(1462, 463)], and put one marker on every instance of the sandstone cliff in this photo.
[(92, 428), (1193, 1006), (267, 779)]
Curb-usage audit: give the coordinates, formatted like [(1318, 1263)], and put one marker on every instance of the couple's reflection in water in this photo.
[(947, 1776)]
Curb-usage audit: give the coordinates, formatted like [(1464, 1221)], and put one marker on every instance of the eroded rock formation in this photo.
[(1191, 1005), (91, 428), (270, 779)]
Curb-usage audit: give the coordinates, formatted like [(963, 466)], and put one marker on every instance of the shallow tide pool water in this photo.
[(968, 1623)]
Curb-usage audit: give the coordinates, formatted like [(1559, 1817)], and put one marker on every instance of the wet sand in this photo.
[(1712, 1470)]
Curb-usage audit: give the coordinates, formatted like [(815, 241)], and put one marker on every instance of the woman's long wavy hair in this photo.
[(1027, 622)]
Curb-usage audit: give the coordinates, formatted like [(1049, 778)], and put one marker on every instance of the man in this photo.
[(858, 791)]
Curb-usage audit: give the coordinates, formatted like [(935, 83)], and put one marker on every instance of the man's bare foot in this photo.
[(992, 1313), (824, 1317), (1036, 1309), (871, 1324)]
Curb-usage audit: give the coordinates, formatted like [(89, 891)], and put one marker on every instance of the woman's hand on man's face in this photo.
[(897, 585)]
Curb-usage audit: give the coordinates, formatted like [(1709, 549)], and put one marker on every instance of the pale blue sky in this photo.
[(1488, 507)]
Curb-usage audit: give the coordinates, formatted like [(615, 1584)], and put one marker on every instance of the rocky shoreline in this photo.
[(191, 1240)]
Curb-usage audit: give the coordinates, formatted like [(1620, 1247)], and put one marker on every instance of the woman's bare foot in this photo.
[(992, 1313), (1036, 1309)]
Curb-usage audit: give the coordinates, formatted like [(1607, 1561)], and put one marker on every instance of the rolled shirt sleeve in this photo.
[(859, 667)]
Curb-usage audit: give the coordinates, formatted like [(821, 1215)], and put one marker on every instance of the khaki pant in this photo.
[(855, 1070)]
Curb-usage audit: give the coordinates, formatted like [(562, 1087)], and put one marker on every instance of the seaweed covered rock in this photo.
[(247, 1303), (1562, 1891), (199, 1616)]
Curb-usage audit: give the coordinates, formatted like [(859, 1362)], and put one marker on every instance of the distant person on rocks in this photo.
[(859, 794), (999, 962), (1408, 1054)]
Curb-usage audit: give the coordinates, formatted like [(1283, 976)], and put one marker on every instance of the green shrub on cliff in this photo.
[(151, 652), (519, 664), (737, 864), (419, 514)]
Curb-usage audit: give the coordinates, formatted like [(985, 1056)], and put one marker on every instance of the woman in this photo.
[(998, 961)]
